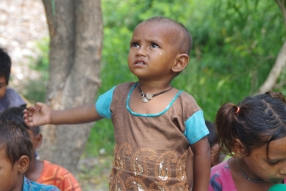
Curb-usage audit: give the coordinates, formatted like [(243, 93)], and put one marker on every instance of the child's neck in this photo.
[(35, 169), (153, 87), (153, 105)]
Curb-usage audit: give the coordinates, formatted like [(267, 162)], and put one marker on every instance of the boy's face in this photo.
[(153, 50), (9, 175), (2, 86), (215, 154)]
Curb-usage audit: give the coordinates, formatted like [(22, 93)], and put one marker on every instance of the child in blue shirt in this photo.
[(15, 154)]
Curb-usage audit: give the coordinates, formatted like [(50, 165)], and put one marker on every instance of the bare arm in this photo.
[(41, 114), (202, 164), (190, 169)]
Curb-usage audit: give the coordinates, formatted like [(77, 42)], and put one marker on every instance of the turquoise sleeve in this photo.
[(196, 127), (103, 103)]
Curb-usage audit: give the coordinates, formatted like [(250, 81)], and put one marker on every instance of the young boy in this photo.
[(154, 123), (15, 154), (8, 96), (42, 171)]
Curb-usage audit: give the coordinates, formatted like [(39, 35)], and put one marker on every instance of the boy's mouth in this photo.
[(140, 62)]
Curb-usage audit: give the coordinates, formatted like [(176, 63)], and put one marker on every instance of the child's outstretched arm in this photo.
[(41, 114), (201, 165)]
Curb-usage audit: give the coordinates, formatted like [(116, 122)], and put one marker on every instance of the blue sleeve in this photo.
[(196, 127), (102, 104)]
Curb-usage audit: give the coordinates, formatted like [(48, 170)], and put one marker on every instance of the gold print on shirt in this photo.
[(139, 167), (181, 167), (147, 169), (120, 152), (135, 184), (119, 166), (163, 169), (140, 160)]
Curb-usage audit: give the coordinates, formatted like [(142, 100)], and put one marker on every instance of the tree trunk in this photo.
[(76, 33), (275, 72)]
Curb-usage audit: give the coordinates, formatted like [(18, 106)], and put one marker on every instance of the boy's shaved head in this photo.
[(183, 38)]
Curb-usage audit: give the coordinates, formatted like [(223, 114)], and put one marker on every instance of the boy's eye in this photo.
[(273, 162), (154, 45), (134, 44)]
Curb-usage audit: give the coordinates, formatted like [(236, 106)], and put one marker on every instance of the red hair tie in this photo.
[(237, 110)]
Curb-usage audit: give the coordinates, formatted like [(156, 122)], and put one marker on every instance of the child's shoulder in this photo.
[(11, 91), (34, 186), (187, 99), (125, 86), (221, 177), (54, 172), (53, 168), (187, 95), (221, 166)]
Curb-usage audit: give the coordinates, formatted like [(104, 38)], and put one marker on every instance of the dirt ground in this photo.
[(22, 24), (94, 173)]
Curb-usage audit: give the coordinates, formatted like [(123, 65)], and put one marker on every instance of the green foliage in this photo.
[(235, 44)]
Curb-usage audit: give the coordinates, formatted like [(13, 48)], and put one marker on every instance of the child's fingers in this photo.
[(30, 109), (28, 115), (39, 105), (27, 122)]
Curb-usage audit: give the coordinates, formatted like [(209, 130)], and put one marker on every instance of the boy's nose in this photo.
[(283, 169), (141, 51)]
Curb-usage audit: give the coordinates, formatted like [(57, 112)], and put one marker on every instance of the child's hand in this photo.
[(37, 115)]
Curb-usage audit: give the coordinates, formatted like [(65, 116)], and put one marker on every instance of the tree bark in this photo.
[(76, 33), (275, 72)]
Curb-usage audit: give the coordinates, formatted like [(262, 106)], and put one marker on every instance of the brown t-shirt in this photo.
[(151, 150)]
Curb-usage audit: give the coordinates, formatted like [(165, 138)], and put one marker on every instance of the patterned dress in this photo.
[(151, 149)]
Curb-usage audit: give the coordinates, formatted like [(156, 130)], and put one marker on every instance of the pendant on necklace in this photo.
[(145, 100), (144, 97), (148, 96)]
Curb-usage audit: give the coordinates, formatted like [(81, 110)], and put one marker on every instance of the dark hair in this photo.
[(185, 41), (212, 136), (15, 139), (16, 114), (5, 65), (277, 95), (256, 121)]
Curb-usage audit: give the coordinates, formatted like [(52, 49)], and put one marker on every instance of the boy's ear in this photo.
[(239, 149), (38, 140), (182, 61), (23, 164)]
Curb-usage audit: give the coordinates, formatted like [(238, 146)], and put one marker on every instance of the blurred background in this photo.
[(238, 50)]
